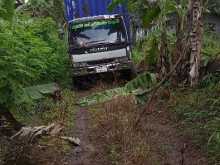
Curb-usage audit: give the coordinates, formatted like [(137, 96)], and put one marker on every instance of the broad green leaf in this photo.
[(115, 3), (150, 15), (40, 91)]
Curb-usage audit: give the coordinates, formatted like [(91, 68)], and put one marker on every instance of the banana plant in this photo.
[(154, 15), (44, 8)]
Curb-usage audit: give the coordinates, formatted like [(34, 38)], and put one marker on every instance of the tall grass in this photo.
[(120, 141), (199, 112)]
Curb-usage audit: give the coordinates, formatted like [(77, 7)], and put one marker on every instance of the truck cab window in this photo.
[(90, 33)]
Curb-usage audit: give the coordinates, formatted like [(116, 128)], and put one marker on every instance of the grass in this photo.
[(137, 55), (199, 112), (211, 44), (47, 110), (119, 141), (142, 81), (47, 149)]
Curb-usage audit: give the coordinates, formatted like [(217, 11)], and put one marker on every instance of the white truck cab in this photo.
[(99, 44)]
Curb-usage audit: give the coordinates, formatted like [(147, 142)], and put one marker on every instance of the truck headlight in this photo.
[(128, 51)]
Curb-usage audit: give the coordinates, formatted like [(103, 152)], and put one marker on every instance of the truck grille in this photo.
[(100, 62)]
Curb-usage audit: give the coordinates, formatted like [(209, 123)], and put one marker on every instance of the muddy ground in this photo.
[(167, 145)]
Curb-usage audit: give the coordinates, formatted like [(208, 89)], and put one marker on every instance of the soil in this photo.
[(167, 145), (84, 154), (80, 155)]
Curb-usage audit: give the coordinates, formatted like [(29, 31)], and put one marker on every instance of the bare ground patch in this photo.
[(156, 141)]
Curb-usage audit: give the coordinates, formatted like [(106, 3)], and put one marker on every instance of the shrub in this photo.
[(30, 53), (198, 110)]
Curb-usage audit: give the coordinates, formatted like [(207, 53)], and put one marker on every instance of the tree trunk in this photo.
[(180, 75), (196, 31), (163, 63)]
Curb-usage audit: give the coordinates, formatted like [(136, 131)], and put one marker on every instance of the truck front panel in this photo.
[(99, 55)]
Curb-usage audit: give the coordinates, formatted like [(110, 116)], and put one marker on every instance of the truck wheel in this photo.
[(133, 71), (80, 83), (129, 74), (75, 83)]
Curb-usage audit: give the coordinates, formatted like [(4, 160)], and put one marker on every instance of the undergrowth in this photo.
[(47, 149), (119, 141), (142, 81), (211, 44), (199, 112), (47, 110)]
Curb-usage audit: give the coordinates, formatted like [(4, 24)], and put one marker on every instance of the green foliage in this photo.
[(40, 91), (210, 79), (154, 16), (214, 6), (137, 55), (47, 110), (211, 44), (30, 53), (151, 48), (199, 111), (101, 97), (151, 15), (143, 81), (7, 8), (148, 50), (149, 11), (45, 8), (114, 3)]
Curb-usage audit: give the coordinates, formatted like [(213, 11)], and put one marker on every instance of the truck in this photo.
[(99, 40)]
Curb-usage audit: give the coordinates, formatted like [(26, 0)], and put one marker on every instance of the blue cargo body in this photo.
[(85, 8)]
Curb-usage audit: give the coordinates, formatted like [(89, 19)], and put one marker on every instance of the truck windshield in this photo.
[(106, 31)]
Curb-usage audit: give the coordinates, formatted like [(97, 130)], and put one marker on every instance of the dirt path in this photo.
[(81, 154), (168, 145)]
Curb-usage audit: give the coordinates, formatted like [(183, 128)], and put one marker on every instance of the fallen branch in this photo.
[(72, 140), (31, 134)]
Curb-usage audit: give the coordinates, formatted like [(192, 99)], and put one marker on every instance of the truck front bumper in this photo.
[(102, 68)]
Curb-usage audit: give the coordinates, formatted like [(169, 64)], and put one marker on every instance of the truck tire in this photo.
[(129, 74), (133, 71), (80, 83)]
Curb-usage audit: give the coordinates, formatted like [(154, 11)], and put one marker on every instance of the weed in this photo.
[(211, 45), (47, 149), (120, 141), (47, 110), (137, 56), (198, 110), (142, 81)]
